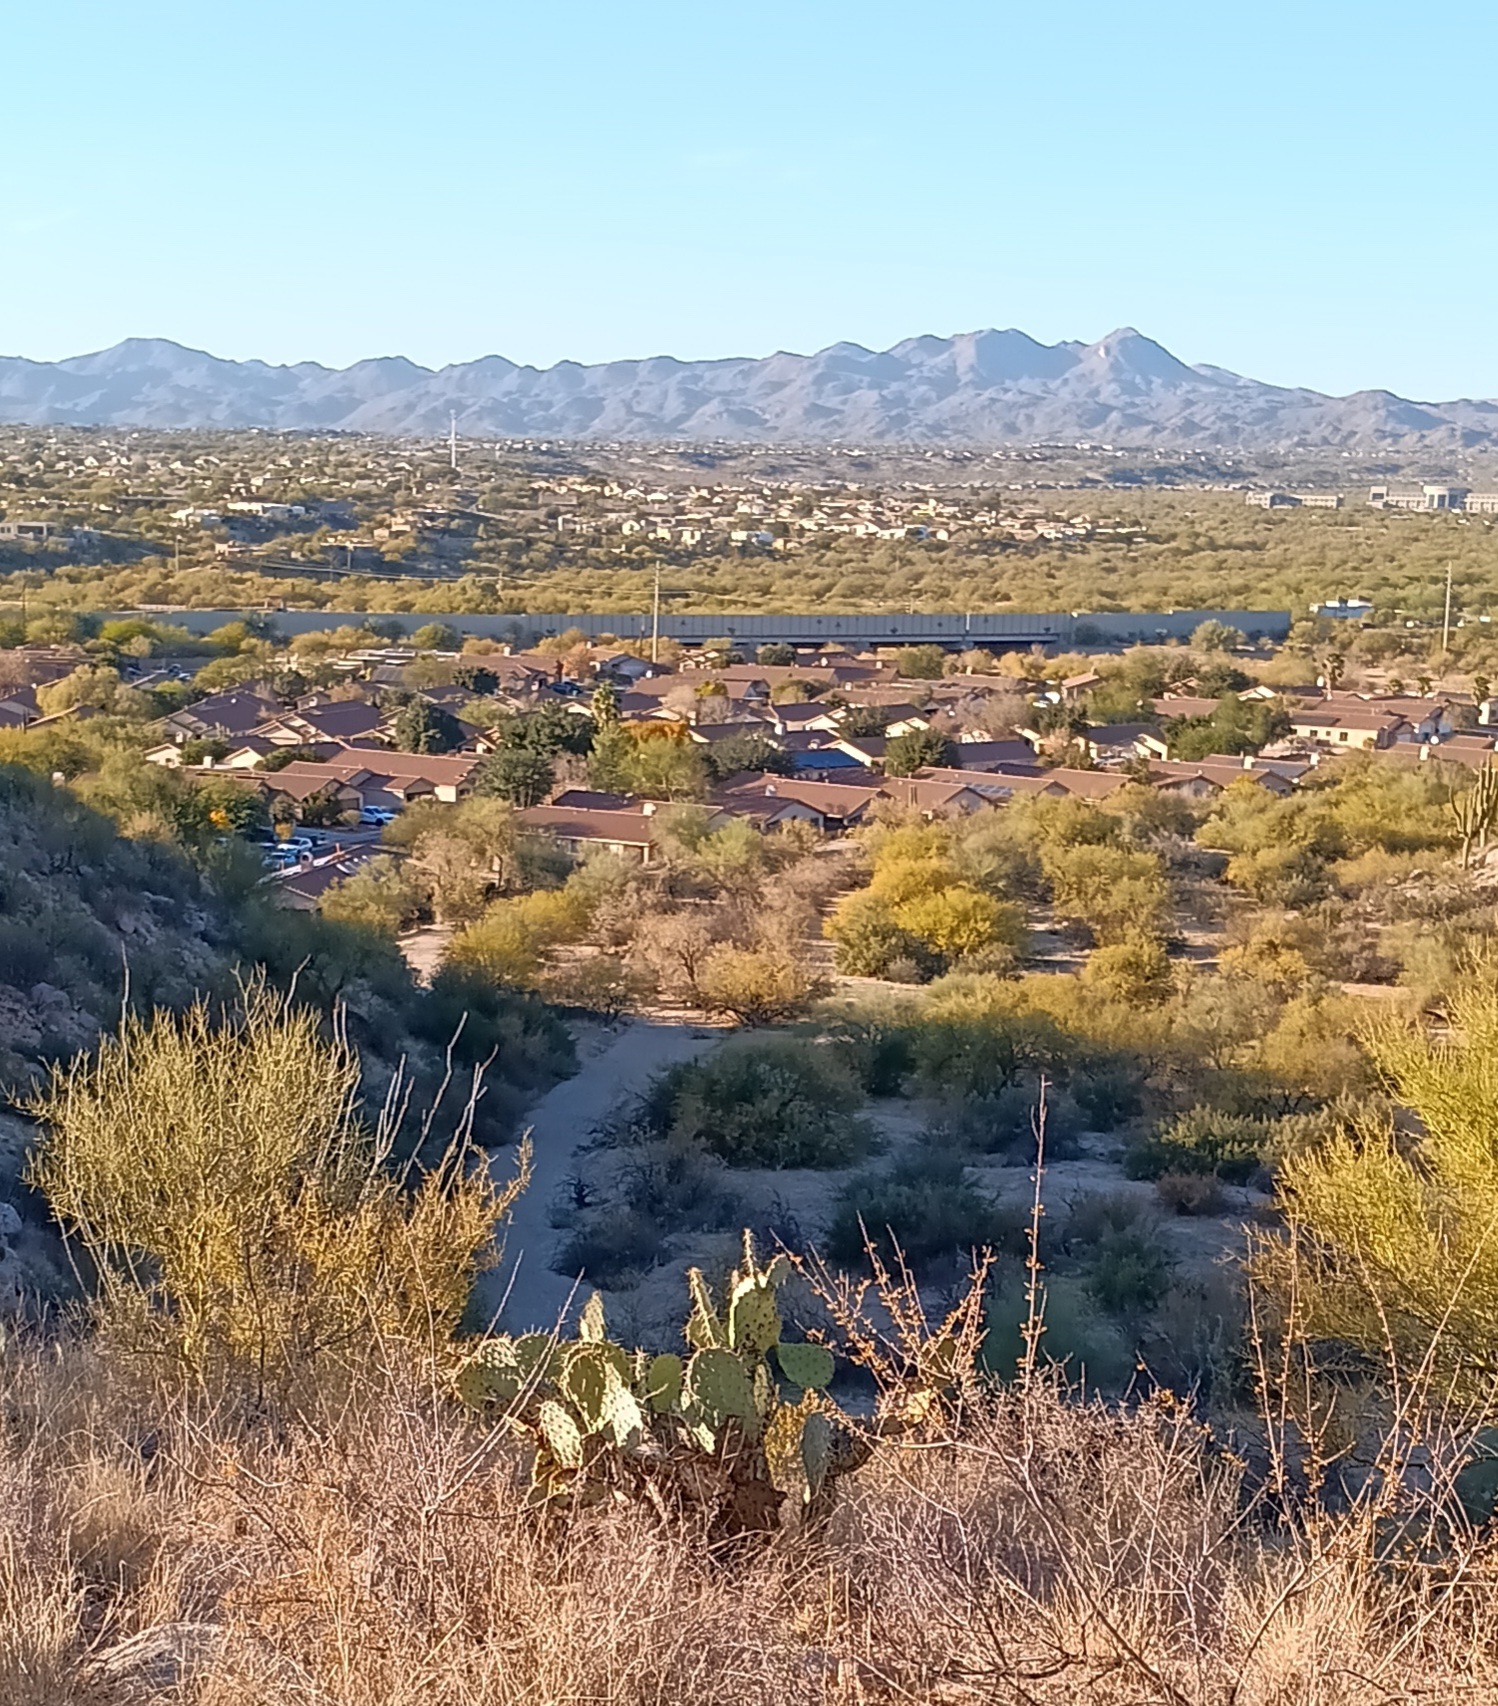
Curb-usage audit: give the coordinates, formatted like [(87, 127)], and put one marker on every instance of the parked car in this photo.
[(376, 817)]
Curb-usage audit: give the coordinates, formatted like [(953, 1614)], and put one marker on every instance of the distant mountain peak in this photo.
[(988, 386)]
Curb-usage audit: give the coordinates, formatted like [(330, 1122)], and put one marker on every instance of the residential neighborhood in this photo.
[(825, 739)]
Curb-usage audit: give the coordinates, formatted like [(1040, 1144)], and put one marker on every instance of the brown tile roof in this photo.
[(580, 823)]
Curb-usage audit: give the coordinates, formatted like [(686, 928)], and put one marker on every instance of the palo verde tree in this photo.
[(1392, 1238), (238, 1205)]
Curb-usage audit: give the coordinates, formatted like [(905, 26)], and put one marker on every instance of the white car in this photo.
[(376, 817)]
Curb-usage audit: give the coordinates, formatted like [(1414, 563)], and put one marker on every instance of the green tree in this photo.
[(604, 705), (1215, 636), (421, 726), (521, 774), (747, 752), (916, 750), (922, 663), (381, 896)]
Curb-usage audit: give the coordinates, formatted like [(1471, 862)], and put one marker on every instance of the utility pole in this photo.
[(452, 441), (1446, 623), (655, 619)]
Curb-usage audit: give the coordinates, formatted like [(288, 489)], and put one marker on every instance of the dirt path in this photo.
[(424, 948), (532, 1295)]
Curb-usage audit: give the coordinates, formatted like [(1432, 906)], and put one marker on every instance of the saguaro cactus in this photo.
[(1475, 810)]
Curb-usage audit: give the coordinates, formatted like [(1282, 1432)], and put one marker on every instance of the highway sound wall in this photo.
[(1006, 630)]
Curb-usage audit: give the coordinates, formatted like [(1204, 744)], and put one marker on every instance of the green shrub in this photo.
[(1202, 1140), (969, 1057), (1108, 1092), (1096, 1216), (773, 1104), (611, 1249), (678, 1188), (1190, 1193), (878, 1052), (1089, 1347), (1128, 1273), (927, 1206), (1003, 1122)]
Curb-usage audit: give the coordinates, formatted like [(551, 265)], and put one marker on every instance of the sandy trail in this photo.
[(533, 1297)]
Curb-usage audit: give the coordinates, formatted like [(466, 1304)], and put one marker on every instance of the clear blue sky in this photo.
[(1302, 192)]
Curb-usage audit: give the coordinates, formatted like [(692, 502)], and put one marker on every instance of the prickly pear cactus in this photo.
[(662, 1383), (809, 1366), (717, 1428), (716, 1384), (753, 1316)]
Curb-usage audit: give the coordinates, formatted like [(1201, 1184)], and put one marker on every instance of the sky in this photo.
[(1300, 192)]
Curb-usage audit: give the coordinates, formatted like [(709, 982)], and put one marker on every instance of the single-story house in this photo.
[(769, 801), (630, 833), (1358, 730)]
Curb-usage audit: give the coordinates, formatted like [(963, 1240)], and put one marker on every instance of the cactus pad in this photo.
[(806, 1365), (753, 1317), (816, 1451), (560, 1432), (623, 1417), (490, 1375), (590, 1373), (717, 1384), (782, 1445), (704, 1329), (663, 1383), (590, 1326)]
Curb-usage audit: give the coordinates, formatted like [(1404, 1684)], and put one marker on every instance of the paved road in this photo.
[(531, 1294)]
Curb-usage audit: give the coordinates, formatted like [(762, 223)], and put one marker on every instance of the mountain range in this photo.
[(978, 388)]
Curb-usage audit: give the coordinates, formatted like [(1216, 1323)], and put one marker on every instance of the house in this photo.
[(594, 800), (867, 750), (1123, 740), (389, 781), (1056, 783), (334, 719), (35, 666), (1426, 719), (992, 785), (303, 886), (934, 797), (222, 716), (623, 668), (1203, 778), (300, 782), (990, 754), (1075, 686), (784, 719), (1183, 705), (18, 707), (1471, 751), (630, 833), (816, 759), (1358, 730), (769, 801)]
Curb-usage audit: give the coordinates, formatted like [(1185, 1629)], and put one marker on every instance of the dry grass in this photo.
[(1050, 1553)]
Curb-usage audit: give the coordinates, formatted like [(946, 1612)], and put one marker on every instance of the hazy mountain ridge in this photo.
[(987, 387)]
